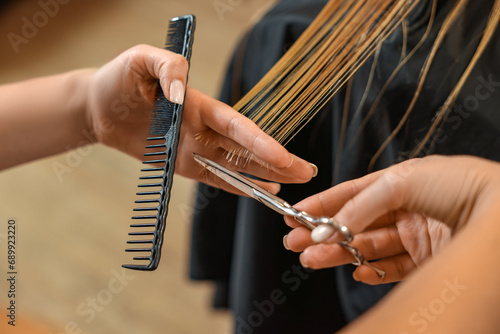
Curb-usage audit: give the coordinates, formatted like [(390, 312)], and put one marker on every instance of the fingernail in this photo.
[(276, 189), (301, 260), (291, 162), (315, 170), (177, 91), (285, 244), (355, 276)]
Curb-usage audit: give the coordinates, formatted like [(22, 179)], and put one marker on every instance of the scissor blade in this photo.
[(227, 175), (247, 186)]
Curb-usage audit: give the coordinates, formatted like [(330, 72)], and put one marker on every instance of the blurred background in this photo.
[(72, 228)]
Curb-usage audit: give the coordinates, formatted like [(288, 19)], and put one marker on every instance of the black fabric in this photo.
[(237, 242)]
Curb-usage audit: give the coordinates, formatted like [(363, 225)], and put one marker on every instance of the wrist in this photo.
[(79, 104), (49, 111)]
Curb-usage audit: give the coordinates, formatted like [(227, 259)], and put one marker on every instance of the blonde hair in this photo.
[(323, 60), (458, 9)]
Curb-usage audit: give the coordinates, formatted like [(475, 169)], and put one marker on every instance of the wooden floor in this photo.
[(72, 232)]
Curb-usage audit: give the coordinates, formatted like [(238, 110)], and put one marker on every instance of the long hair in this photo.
[(344, 35)]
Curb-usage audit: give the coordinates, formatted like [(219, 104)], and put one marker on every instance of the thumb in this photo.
[(439, 187)]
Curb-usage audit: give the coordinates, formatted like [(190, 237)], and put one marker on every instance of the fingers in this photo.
[(444, 188), (373, 245), (396, 269), (329, 202), (188, 167), (170, 68), (378, 198), (238, 158), (382, 244), (299, 239), (405, 197), (228, 123), (226, 128), (209, 178)]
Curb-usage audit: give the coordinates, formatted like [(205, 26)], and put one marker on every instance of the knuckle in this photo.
[(401, 269), (391, 179), (314, 257), (322, 200), (257, 142), (312, 260), (350, 207), (232, 126), (367, 246), (140, 48), (352, 187), (178, 61), (137, 51)]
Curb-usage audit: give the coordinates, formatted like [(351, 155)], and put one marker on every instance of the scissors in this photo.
[(282, 207)]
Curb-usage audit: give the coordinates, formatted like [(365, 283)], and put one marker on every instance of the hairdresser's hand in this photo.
[(120, 101), (402, 215), (121, 95)]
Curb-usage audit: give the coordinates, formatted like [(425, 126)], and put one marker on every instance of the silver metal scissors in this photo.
[(282, 207)]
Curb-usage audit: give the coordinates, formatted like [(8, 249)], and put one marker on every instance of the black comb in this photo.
[(164, 132)]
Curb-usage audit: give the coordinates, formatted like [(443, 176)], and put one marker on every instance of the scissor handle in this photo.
[(312, 222), (306, 219)]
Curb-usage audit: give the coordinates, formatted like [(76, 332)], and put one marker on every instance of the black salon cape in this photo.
[(237, 242)]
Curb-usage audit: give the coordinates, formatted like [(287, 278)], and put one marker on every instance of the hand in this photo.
[(120, 101), (402, 215)]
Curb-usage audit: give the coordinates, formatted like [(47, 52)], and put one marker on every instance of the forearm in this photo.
[(43, 116), (456, 292)]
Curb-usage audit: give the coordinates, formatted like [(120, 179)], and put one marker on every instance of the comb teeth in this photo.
[(155, 138), (149, 177), (153, 253), (145, 217), (156, 146), (149, 193), (146, 209), (154, 169), (147, 201), (140, 242), (143, 225), (154, 153), (164, 129), (179, 40), (141, 233), (163, 117), (138, 250), (153, 162), (149, 185)]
